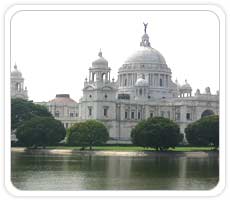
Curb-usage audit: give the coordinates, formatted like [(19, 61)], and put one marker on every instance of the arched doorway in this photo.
[(207, 113)]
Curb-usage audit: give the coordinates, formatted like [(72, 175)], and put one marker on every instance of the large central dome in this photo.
[(148, 63), (146, 54)]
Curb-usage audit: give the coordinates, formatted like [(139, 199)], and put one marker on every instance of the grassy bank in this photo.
[(131, 148)]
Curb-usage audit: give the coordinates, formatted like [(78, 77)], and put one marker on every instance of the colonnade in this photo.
[(94, 76), (154, 79)]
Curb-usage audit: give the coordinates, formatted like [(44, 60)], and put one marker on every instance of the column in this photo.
[(106, 76), (149, 79), (158, 80)]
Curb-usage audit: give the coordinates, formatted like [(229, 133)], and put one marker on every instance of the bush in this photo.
[(159, 133), (40, 131), (204, 132), (87, 134)]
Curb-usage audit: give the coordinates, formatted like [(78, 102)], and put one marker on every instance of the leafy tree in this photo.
[(158, 132), (40, 131), (87, 134), (204, 132), (23, 110)]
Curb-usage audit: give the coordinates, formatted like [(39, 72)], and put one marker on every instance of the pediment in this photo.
[(89, 88)]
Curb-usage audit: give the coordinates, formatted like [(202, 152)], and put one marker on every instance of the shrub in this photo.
[(204, 132), (40, 131), (158, 132), (87, 134)]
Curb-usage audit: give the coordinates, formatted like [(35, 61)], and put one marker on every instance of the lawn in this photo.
[(131, 148)]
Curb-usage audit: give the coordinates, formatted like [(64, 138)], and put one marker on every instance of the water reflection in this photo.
[(90, 172)]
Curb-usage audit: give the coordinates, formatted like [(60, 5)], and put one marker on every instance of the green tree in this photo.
[(87, 134), (158, 132), (40, 131), (23, 110), (204, 132)]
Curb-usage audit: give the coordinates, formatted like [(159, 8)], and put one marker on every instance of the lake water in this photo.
[(91, 172)]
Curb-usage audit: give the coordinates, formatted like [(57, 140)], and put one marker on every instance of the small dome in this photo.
[(186, 86), (101, 62), (62, 99), (141, 82), (197, 92), (177, 84), (145, 36), (207, 90), (16, 72)]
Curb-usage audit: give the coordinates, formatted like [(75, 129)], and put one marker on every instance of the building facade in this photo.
[(143, 89), (63, 108)]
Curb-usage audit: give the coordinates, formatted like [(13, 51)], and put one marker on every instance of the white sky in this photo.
[(54, 49)]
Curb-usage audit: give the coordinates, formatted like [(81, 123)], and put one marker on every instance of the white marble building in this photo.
[(143, 89)]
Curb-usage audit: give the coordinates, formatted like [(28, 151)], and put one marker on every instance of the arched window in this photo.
[(132, 115), (139, 115), (125, 82), (56, 114), (90, 111), (140, 92), (207, 113), (161, 82), (17, 86), (106, 111)]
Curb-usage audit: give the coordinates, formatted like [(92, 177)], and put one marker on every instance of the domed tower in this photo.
[(149, 62), (99, 72), (17, 84), (98, 92), (142, 88), (185, 90)]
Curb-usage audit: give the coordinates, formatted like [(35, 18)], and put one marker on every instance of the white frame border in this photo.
[(213, 192)]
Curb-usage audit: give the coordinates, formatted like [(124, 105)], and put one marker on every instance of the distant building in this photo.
[(143, 89), (17, 84), (63, 108)]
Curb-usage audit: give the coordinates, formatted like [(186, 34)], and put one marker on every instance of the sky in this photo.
[(54, 49)]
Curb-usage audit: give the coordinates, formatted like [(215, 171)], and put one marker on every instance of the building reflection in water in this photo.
[(91, 172)]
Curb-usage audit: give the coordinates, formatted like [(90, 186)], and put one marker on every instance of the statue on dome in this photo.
[(145, 25)]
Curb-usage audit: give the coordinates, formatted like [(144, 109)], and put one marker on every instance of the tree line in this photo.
[(34, 126)]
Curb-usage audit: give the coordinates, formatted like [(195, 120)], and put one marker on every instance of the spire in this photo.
[(15, 66), (145, 38), (100, 53)]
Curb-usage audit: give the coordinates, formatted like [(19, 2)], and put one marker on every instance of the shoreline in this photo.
[(187, 154)]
